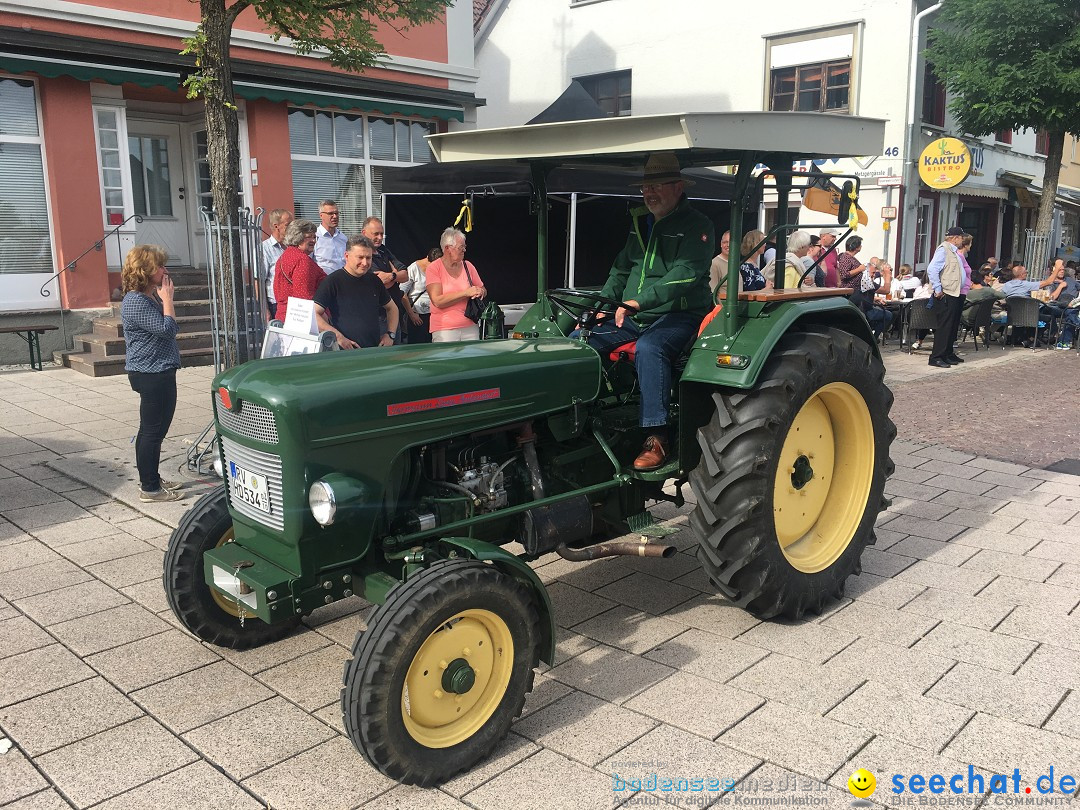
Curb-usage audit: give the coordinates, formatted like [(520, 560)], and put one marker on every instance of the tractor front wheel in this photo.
[(441, 671), (201, 609), (792, 475)]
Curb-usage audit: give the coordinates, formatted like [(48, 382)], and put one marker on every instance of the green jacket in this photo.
[(670, 272)]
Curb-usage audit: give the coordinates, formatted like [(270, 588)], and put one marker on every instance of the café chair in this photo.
[(980, 322), (919, 317), (1023, 314)]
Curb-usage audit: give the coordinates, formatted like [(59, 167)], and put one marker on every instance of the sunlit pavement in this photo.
[(958, 646)]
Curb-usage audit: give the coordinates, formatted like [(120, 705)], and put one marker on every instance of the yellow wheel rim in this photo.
[(823, 477), (472, 653), (223, 602)]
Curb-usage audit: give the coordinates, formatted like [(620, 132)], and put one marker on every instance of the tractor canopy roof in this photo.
[(699, 139)]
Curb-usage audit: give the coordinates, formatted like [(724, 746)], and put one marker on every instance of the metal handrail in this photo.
[(98, 245)]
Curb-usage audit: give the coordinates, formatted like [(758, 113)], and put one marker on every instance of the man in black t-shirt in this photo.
[(350, 304)]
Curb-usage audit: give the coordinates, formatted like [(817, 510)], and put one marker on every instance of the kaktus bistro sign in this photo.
[(944, 163)]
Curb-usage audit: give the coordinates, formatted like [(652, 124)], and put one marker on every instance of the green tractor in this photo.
[(401, 475)]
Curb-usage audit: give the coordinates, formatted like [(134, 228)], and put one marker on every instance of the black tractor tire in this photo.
[(436, 610), (819, 382), (209, 616)]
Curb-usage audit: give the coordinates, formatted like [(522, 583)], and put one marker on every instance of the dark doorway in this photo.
[(975, 220)]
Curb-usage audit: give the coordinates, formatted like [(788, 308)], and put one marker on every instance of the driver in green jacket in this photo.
[(661, 276)]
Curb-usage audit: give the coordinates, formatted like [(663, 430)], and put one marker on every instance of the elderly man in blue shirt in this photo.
[(1020, 287), (946, 274)]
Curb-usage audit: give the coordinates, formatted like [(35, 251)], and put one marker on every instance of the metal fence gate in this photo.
[(1036, 254), (235, 272), (234, 265)]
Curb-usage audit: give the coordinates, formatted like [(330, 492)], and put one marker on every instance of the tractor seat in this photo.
[(624, 352)]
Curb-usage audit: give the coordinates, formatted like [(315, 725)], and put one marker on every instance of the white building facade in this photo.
[(859, 58)]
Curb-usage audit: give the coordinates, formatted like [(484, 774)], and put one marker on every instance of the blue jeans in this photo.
[(1071, 320), (879, 319), (658, 346), (157, 404)]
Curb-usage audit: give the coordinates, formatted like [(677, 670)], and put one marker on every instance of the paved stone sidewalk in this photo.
[(958, 646)]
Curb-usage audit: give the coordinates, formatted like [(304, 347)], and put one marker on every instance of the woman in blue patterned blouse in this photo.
[(152, 360)]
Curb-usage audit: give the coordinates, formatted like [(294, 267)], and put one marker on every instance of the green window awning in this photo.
[(53, 68), (347, 101)]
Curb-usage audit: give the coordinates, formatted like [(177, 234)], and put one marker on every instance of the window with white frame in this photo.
[(26, 244), (203, 195), (110, 163), (813, 71), (341, 156), (610, 91)]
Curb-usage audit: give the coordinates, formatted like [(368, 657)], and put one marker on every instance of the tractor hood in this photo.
[(431, 391)]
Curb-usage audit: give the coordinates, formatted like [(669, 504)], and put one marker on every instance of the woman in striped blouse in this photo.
[(152, 360)]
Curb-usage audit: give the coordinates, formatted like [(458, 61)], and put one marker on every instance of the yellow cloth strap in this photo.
[(466, 213), (853, 212)]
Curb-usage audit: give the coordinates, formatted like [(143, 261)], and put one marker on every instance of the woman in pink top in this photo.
[(451, 281)]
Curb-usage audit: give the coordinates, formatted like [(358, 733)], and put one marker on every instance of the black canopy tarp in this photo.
[(453, 178), (575, 104), (420, 201)]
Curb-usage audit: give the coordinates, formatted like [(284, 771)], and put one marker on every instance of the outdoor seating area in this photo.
[(1022, 322)]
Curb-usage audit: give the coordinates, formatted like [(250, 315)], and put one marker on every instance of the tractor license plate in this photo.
[(249, 487)]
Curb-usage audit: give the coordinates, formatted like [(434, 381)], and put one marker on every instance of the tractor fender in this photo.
[(517, 568), (756, 339), (761, 332)]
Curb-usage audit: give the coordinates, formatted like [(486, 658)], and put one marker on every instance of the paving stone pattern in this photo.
[(959, 645)]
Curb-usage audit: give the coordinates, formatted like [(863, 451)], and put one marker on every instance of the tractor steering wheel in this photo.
[(583, 306)]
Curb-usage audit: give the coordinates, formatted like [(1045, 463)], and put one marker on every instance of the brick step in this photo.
[(188, 324), (101, 346), (113, 365), (184, 306), (91, 366), (113, 326), (187, 275), (191, 292), (110, 327), (190, 309)]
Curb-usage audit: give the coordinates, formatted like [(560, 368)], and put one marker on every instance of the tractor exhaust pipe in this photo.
[(624, 548)]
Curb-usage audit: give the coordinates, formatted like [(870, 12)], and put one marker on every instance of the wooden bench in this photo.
[(30, 335)]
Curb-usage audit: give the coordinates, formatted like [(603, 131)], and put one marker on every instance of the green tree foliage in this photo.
[(344, 29), (1012, 64)]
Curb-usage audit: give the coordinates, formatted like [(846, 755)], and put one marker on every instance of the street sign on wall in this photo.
[(890, 180), (888, 212)]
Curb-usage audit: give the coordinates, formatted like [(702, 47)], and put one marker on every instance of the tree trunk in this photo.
[(1051, 173), (223, 154)]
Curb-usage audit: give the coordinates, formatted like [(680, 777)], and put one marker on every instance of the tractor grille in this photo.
[(253, 421), (265, 464)]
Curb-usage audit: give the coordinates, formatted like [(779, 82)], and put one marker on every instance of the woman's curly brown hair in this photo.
[(140, 264)]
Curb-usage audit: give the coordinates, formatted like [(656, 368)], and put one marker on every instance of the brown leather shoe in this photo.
[(652, 455)]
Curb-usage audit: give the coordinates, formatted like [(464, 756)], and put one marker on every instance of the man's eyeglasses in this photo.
[(329, 214), (657, 186)]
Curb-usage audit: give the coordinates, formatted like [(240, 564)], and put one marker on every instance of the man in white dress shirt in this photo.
[(329, 240)]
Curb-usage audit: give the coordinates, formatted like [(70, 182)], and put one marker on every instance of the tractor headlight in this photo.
[(322, 502)]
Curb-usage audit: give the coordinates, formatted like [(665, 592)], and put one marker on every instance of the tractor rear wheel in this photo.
[(441, 671), (201, 609), (792, 475)]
